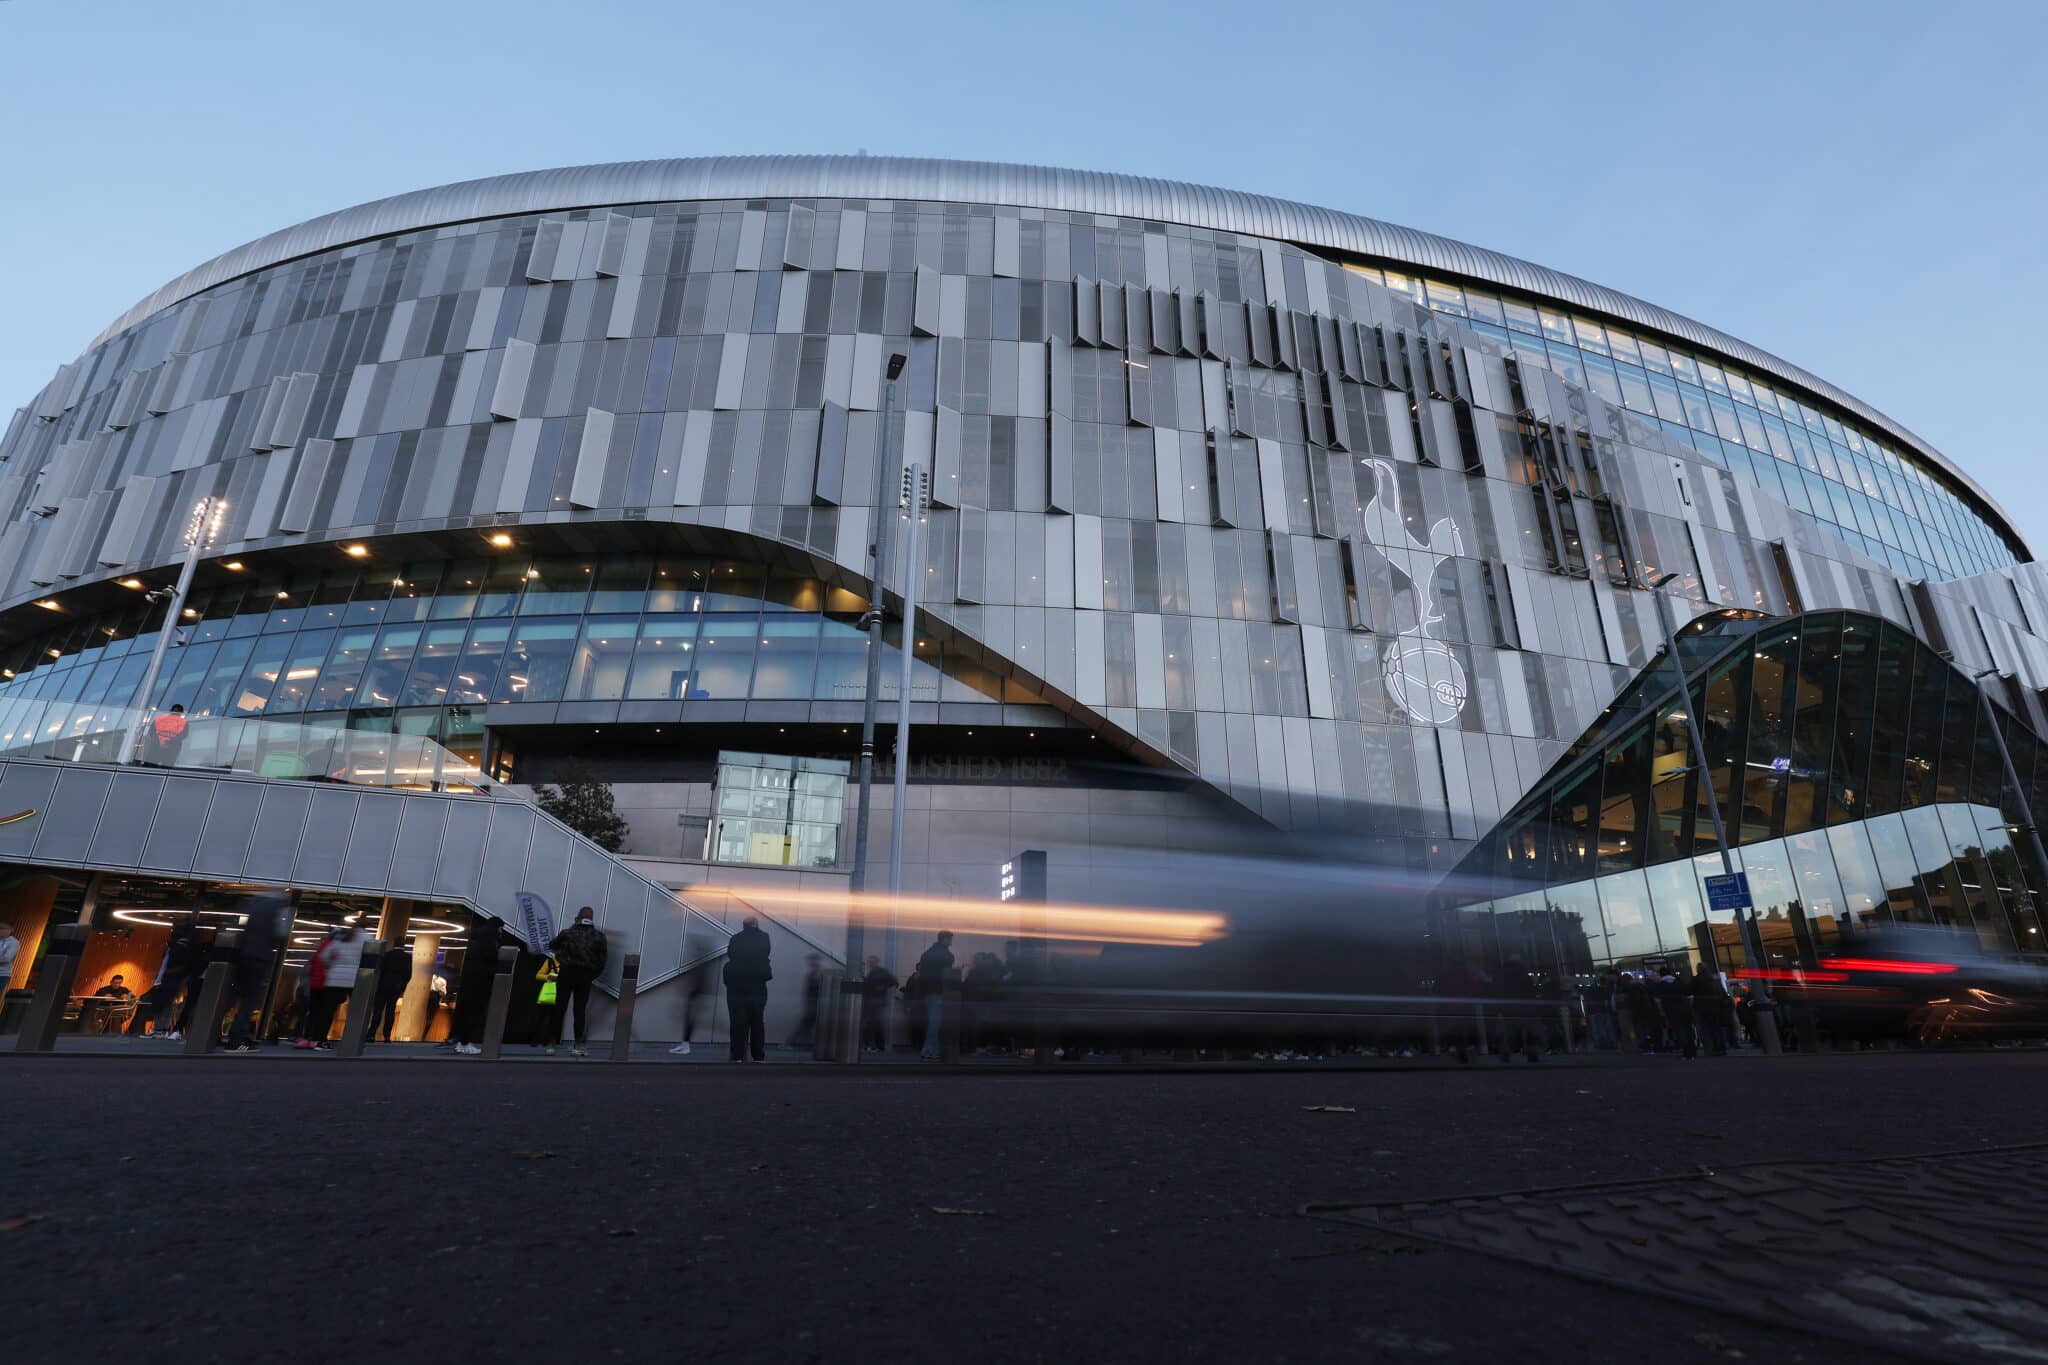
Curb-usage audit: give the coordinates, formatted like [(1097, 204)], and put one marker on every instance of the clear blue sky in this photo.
[(1860, 188)]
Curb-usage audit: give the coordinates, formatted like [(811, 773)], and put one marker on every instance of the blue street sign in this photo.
[(1730, 891)]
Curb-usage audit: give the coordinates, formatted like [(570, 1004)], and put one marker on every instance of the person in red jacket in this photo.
[(169, 731)]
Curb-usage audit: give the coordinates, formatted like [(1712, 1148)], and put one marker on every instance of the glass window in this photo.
[(787, 660), (537, 661), (390, 661), (603, 655), (1624, 793), (791, 591), (663, 662), (731, 586), (259, 680), (725, 657), (776, 810), (621, 583), (433, 667), (678, 585), (294, 688), (1863, 895), (338, 680), (842, 662), (1767, 773), (1676, 907), (1671, 787), (556, 585), (1626, 909), (460, 587), (217, 691), (482, 657), (1899, 868), (365, 607)]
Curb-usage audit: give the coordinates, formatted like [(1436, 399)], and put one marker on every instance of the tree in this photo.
[(584, 804)]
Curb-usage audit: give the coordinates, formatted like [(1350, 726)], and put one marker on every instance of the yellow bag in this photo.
[(546, 976)]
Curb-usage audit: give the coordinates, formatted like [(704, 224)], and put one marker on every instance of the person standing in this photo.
[(332, 975), (747, 974), (1710, 1010), (935, 970), (874, 1006), (10, 949), (263, 931), (1675, 1002), (473, 993), (394, 975), (169, 731), (581, 950), (1599, 1003)]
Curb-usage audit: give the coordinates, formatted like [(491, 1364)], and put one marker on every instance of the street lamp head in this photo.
[(896, 365)]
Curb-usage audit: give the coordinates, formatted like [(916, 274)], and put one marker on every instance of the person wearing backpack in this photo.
[(580, 950)]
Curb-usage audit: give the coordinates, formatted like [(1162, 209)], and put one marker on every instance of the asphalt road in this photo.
[(233, 1209)]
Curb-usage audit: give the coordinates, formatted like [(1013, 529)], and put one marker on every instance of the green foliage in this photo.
[(584, 804)]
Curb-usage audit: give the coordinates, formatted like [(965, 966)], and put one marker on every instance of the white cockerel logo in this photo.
[(1423, 676)]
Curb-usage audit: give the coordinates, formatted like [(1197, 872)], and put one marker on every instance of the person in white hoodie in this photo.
[(330, 976)]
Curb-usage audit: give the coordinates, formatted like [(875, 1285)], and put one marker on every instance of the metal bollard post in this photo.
[(204, 1035), (501, 1003), (824, 1037), (60, 970), (950, 1012), (362, 1001), (847, 1039), (622, 1023)]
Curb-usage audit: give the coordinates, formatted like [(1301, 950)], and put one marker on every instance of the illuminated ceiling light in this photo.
[(191, 611), (131, 582), (49, 604), (233, 566), (355, 551), (501, 540)]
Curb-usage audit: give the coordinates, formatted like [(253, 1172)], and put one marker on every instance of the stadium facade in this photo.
[(1244, 514)]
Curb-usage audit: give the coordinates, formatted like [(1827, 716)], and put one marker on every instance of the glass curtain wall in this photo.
[(474, 633), (1859, 788)]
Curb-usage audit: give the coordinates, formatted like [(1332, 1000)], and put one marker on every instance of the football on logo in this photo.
[(1426, 680)]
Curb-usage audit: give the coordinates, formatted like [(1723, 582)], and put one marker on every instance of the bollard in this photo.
[(53, 989), (825, 1036), (204, 1035), (501, 1003), (622, 1023), (950, 1014), (362, 1001), (828, 1016), (847, 1033)]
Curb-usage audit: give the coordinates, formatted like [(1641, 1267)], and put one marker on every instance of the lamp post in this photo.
[(871, 622), (200, 532), (1745, 921), (916, 503), (2012, 779)]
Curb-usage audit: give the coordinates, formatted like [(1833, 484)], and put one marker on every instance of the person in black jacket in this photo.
[(265, 923), (473, 988), (581, 951), (747, 975), (935, 970), (394, 977)]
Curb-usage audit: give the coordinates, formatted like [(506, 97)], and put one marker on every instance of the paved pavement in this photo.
[(234, 1209)]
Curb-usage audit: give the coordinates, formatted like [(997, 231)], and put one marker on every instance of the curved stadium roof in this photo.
[(982, 182)]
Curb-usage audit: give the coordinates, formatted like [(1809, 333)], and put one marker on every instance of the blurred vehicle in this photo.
[(1923, 982)]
